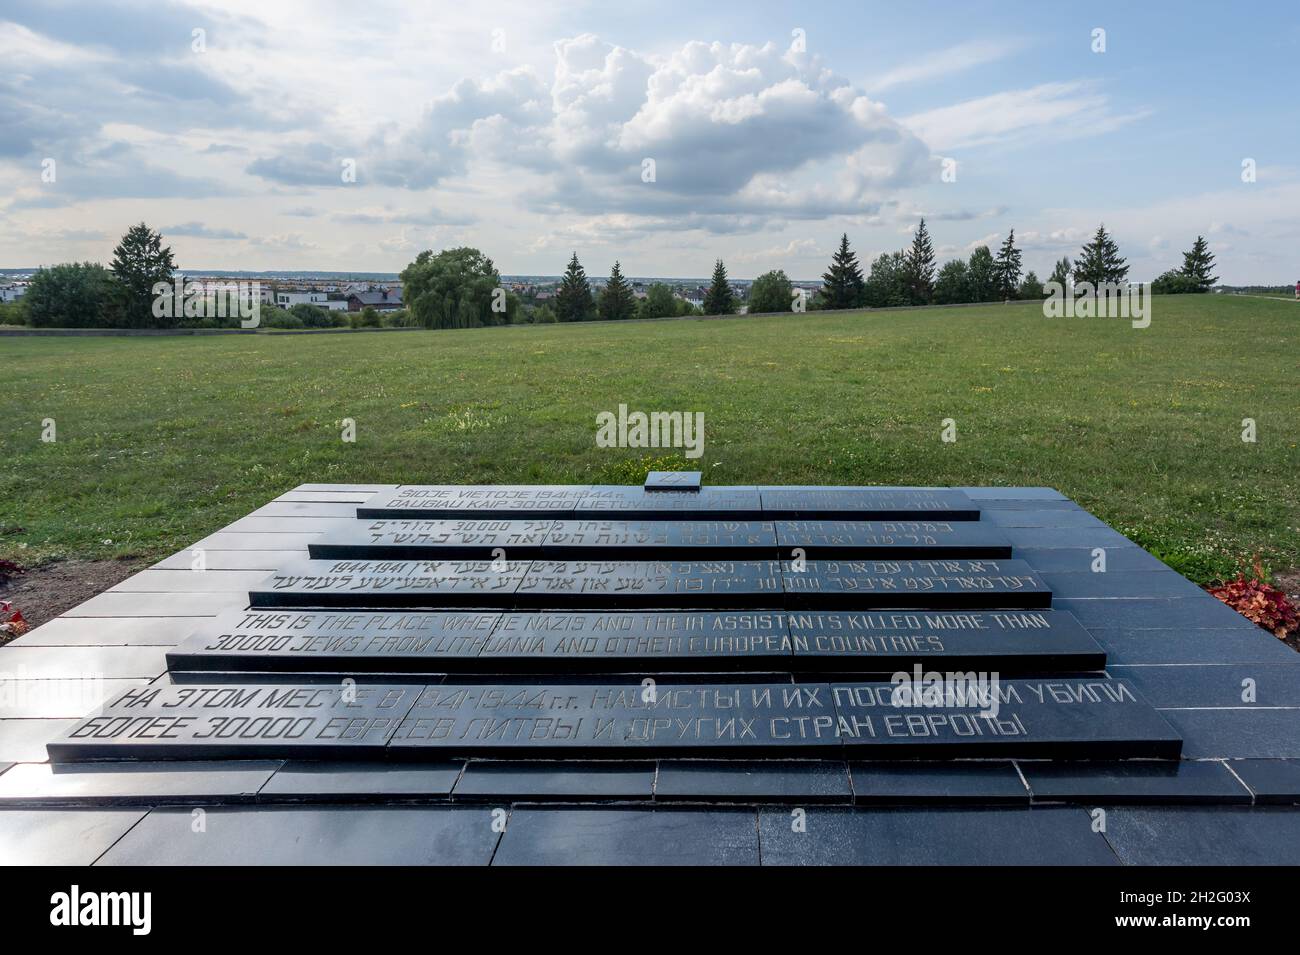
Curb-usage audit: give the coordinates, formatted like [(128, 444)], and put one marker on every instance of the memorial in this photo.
[(614, 623)]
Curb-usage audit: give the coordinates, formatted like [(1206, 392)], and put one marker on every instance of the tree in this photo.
[(1031, 287), (771, 292), (981, 274), (920, 267), (1100, 263), (952, 286), (1175, 282), (573, 301), (1006, 268), (140, 261), (1061, 273), (370, 317), (617, 301), (842, 285), (456, 288), (719, 299), (1198, 266), (887, 285), (659, 302), (74, 295)]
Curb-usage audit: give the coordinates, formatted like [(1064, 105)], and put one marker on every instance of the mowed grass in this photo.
[(162, 441)]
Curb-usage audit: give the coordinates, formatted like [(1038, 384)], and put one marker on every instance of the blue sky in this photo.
[(525, 132)]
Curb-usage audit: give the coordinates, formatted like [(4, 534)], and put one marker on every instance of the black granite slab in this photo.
[(1080, 560), (687, 540), (334, 641), (401, 583), (643, 584), (49, 837), (673, 481), (239, 721), (639, 503), (1133, 782), (934, 836), (1192, 645), (556, 540), (1271, 780), (867, 503), (1220, 836), (135, 784), (896, 539), (475, 539), (1117, 583), (560, 780), (23, 740), (1065, 717), (931, 584), (1004, 640), (475, 501), (1214, 685), (1241, 733), (1152, 613), (627, 721), (335, 781), (742, 781), (637, 641), (668, 837), (326, 836), (985, 782)]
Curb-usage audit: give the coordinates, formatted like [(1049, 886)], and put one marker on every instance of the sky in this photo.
[(350, 136)]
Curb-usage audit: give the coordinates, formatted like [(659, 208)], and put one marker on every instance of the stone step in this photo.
[(1062, 717), (728, 584), (375, 642)]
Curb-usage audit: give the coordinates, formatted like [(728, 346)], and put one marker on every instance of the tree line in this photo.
[(461, 288)]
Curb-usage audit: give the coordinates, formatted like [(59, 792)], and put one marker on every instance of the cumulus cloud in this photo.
[(728, 130), (201, 230)]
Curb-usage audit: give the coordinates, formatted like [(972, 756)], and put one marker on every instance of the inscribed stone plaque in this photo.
[(638, 503), (474, 538), (933, 713), (871, 584), (475, 500), (634, 641), (391, 583), (867, 503), (887, 640), (335, 641), (893, 538), (717, 584), (240, 722), (575, 721)]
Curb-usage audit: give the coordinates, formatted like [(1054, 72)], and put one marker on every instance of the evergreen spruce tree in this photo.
[(842, 285), (139, 261), (573, 301), (1007, 267), (1100, 261), (1061, 273), (1198, 265), (719, 299), (617, 300), (920, 266), (1031, 288)]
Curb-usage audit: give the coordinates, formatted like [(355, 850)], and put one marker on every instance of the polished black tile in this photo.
[(568, 780), (333, 781), (905, 782), (44, 837), (629, 837), (1271, 780), (947, 836), (1220, 836), (1134, 781), (144, 784), (742, 781), (326, 836)]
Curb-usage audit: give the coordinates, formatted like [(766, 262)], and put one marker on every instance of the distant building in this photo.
[(382, 300), (12, 293), (319, 299)]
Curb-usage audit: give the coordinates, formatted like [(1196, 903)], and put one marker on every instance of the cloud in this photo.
[(201, 230), (954, 59), (733, 133), (1059, 110)]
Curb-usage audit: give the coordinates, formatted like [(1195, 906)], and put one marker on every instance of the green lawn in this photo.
[(161, 441)]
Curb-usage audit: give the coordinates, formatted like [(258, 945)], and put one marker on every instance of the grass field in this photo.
[(161, 441)]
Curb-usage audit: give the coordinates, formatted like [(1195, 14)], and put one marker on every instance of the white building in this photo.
[(12, 293), (319, 299)]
